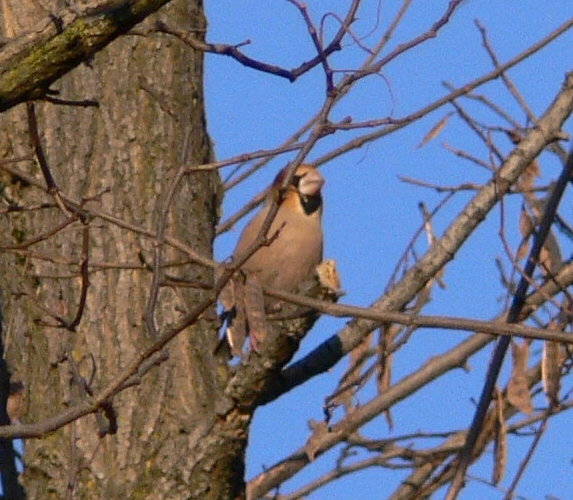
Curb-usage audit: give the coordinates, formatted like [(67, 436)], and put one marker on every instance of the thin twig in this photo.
[(422, 321), (84, 272), (317, 44), (37, 146), (513, 316), (523, 465), (397, 124), (508, 83)]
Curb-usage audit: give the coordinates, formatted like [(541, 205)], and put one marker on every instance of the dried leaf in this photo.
[(550, 372), (551, 363), (526, 224), (550, 256), (434, 131), (312, 446), (523, 250), (328, 276), (517, 389), (526, 181), (500, 445), (526, 228)]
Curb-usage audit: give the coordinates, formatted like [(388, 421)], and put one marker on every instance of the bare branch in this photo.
[(441, 252), (56, 50), (513, 316)]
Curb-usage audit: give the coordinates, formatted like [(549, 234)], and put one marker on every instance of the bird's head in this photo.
[(303, 191)]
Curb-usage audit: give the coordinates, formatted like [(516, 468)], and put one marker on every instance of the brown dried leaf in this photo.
[(523, 250), (328, 276), (517, 388), (534, 169), (434, 131), (319, 429), (500, 445), (526, 224), (526, 181), (550, 256), (526, 227), (551, 363)]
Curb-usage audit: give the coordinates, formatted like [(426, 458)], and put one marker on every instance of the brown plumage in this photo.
[(289, 260), (297, 250)]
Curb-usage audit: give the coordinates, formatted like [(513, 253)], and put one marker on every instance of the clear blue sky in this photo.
[(370, 215)]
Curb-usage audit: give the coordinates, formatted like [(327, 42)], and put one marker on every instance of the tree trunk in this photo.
[(116, 159)]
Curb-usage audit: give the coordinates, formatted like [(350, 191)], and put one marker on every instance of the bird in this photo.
[(297, 248), (294, 250)]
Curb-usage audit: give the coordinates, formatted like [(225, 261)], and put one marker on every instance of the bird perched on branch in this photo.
[(297, 249), (290, 258)]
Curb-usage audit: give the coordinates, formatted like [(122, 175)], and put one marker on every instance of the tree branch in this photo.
[(440, 253), (513, 316), (56, 50)]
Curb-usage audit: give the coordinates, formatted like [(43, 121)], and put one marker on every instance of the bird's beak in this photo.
[(311, 183)]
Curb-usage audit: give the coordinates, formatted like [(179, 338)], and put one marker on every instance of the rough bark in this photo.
[(33, 56), (117, 158)]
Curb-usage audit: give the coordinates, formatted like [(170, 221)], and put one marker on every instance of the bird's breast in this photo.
[(292, 255)]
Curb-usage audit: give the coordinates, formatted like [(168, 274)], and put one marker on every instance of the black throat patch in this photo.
[(310, 204)]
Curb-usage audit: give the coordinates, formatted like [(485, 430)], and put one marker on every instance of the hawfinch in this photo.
[(293, 255), (294, 251)]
